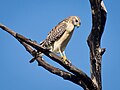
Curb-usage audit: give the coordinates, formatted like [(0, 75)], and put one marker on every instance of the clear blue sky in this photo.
[(34, 19)]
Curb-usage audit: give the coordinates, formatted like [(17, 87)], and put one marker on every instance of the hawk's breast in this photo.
[(62, 42)]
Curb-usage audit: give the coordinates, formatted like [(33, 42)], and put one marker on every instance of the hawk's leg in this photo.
[(64, 57)]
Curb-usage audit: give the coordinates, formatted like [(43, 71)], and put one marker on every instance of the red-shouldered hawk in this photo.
[(60, 35)]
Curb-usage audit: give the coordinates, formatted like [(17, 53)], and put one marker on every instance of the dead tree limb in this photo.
[(74, 75), (41, 62), (65, 75), (94, 39)]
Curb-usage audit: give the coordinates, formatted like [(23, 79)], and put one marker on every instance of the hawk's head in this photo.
[(75, 20)]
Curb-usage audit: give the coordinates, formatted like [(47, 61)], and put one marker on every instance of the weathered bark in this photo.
[(98, 23), (74, 74)]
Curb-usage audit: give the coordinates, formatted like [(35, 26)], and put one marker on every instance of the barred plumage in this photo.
[(60, 35), (54, 35)]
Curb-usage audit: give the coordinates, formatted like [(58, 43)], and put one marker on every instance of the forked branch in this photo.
[(74, 75)]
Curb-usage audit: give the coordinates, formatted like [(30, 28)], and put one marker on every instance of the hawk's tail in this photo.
[(36, 55)]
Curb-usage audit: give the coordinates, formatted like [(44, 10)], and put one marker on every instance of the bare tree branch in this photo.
[(81, 78), (98, 23), (65, 75), (58, 59)]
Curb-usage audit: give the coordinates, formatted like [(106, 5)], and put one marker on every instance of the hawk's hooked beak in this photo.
[(78, 25)]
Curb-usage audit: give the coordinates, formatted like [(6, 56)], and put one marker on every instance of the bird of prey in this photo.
[(58, 38)]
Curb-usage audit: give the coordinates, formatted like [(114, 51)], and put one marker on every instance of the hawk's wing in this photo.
[(55, 34)]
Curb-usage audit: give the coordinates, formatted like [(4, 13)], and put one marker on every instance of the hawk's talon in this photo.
[(65, 60)]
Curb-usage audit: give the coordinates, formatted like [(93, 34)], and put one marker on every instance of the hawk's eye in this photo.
[(76, 20)]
